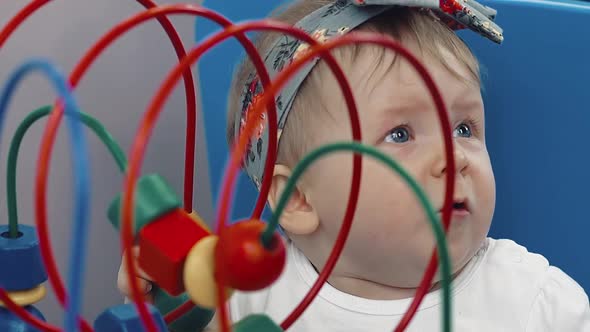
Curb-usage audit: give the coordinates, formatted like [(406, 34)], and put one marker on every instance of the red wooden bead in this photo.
[(243, 261), (164, 245)]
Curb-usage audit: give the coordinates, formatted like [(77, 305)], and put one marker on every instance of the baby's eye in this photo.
[(399, 134), (463, 130)]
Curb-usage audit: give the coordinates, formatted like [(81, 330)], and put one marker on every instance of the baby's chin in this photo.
[(460, 258), (381, 283)]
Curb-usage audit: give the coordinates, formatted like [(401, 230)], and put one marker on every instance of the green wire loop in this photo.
[(441, 244), (88, 120)]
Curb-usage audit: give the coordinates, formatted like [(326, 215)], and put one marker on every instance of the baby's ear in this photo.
[(298, 217)]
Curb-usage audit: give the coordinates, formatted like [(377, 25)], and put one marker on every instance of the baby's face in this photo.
[(391, 240)]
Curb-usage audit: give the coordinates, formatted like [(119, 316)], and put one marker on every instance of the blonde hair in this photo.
[(432, 36)]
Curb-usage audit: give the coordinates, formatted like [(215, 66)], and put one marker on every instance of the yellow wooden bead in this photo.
[(199, 277), (199, 221), (27, 297)]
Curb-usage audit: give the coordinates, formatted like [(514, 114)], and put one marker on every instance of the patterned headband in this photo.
[(333, 20)]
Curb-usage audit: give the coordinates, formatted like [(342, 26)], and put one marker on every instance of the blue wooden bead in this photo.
[(20, 258), (125, 318), (10, 322)]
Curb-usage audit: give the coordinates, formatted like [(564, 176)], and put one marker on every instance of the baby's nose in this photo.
[(439, 167)]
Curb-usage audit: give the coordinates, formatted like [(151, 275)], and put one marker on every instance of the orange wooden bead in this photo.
[(199, 268), (27, 297)]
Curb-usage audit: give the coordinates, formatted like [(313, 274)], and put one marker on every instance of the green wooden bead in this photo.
[(195, 320), (257, 323), (153, 198)]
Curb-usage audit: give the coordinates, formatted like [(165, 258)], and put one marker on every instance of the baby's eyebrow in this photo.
[(408, 106), (412, 105), (402, 109), (467, 103)]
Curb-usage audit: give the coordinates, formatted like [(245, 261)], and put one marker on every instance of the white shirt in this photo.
[(503, 288)]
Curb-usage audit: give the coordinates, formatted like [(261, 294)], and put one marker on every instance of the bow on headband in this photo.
[(470, 14)]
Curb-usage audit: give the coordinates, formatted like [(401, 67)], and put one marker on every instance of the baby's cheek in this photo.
[(485, 189), (387, 209), (385, 193)]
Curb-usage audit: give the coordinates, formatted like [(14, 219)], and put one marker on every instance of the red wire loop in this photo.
[(445, 124), (265, 79), (19, 18), (191, 109), (116, 32), (155, 107), (49, 261), (237, 153), (55, 117), (145, 130), (151, 116)]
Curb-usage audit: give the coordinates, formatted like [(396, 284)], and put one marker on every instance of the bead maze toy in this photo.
[(192, 272)]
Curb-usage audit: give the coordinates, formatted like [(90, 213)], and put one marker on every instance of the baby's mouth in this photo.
[(460, 208)]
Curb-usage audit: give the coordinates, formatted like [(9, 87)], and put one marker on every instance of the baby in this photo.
[(497, 285)]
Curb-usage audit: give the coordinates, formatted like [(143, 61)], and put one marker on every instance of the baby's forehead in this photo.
[(387, 88), (368, 68)]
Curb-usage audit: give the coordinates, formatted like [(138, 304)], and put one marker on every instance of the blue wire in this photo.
[(81, 177)]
